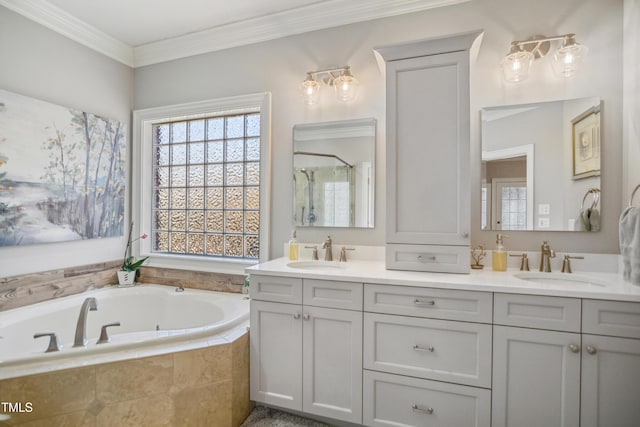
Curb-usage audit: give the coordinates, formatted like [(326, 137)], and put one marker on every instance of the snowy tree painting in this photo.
[(62, 173)]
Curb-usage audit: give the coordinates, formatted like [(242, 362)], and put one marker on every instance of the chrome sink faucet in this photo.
[(546, 253), (81, 327), (328, 251)]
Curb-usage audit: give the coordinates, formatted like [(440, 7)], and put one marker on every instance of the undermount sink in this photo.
[(559, 279), (315, 265)]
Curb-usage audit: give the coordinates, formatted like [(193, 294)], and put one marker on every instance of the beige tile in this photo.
[(134, 379), (148, 412), (208, 405), (51, 394), (241, 404), (74, 419), (197, 367)]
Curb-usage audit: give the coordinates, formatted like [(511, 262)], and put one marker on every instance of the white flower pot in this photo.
[(126, 278)]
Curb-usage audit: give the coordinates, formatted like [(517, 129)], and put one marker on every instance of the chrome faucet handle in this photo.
[(104, 335), (53, 342), (314, 253), (343, 253), (566, 262), (524, 261)]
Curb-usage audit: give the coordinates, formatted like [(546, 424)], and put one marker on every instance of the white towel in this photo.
[(590, 219), (630, 244)]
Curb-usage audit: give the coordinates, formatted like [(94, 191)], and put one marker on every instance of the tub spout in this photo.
[(81, 327)]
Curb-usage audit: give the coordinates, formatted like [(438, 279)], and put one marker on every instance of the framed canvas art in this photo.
[(586, 144)]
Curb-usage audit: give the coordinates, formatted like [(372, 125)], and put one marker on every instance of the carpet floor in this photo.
[(262, 416)]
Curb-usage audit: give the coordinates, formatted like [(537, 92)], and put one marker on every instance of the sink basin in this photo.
[(316, 265), (559, 279)]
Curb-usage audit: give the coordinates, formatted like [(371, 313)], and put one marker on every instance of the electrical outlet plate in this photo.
[(544, 209), (543, 223)]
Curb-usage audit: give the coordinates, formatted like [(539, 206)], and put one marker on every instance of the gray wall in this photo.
[(42, 64), (279, 67)]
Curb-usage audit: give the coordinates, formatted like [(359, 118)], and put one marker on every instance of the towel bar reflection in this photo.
[(596, 197)]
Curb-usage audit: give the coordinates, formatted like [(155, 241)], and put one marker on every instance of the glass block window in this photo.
[(206, 186), (514, 208)]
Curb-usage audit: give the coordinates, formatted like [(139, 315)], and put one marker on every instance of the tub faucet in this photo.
[(328, 253), (81, 327), (546, 253)]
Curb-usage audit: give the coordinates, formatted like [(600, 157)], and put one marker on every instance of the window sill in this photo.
[(196, 263)]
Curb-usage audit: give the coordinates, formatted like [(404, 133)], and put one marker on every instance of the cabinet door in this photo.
[(536, 378), (276, 354), (428, 150), (332, 372), (610, 382)]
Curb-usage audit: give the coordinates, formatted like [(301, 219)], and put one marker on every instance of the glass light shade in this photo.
[(346, 87), (568, 59), (310, 90), (516, 65)]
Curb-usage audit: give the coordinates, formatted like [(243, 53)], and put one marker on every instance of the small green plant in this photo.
[(130, 263)]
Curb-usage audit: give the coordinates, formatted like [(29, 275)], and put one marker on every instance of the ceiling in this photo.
[(144, 32)]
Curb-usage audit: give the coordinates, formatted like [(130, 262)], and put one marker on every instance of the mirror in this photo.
[(541, 166), (333, 173)]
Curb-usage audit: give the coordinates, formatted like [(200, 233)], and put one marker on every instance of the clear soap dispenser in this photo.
[(294, 250), (500, 255)]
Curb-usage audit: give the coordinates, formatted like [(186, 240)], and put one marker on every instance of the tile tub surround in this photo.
[(18, 291), (207, 386)]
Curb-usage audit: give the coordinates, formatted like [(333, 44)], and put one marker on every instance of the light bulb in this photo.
[(516, 65), (568, 59), (310, 90), (345, 86)]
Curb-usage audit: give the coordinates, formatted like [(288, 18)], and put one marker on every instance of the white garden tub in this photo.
[(153, 320)]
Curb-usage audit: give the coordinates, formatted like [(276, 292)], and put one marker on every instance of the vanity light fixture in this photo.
[(567, 59), (343, 82)]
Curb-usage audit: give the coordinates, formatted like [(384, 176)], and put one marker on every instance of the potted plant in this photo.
[(128, 272)]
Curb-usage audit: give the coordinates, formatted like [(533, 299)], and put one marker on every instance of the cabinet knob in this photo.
[(591, 349), (428, 348), (574, 348), (296, 316), (305, 316), (416, 408)]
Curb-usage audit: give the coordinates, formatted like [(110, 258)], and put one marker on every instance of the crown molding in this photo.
[(318, 16), (71, 27), (310, 18)]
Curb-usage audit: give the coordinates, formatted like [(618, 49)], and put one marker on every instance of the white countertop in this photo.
[(607, 286)]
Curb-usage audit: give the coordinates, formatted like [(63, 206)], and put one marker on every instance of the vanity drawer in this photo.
[(393, 400), (276, 289), (457, 352), (434, 258), (428, 302), (538, 312), (615, 318), (332, 294)]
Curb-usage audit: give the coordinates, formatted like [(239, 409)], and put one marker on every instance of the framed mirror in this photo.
[(541, 166), (333, 173)]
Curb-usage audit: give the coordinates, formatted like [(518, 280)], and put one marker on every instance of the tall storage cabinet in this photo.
[(428, 133)]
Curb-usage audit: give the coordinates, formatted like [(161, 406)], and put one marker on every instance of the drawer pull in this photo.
[(416, 408), (429, 348), (424, 258), (574, 348), (591, 349), (423, 303)]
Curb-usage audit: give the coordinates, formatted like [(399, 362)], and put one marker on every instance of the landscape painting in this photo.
[(62, 173)]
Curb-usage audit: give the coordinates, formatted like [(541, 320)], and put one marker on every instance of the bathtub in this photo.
[(153, 320)]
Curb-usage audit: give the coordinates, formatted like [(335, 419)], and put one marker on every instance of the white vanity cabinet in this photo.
[(422, 354), (550, 368), (428, 134), (306, 353)]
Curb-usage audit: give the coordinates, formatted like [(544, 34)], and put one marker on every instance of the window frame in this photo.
[(142, 178)]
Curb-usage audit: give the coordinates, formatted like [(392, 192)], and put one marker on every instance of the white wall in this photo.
[(42, 64), (279, 66), (631, 88)]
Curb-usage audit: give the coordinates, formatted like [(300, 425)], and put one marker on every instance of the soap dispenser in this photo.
[(499, 255), (293, 247)]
